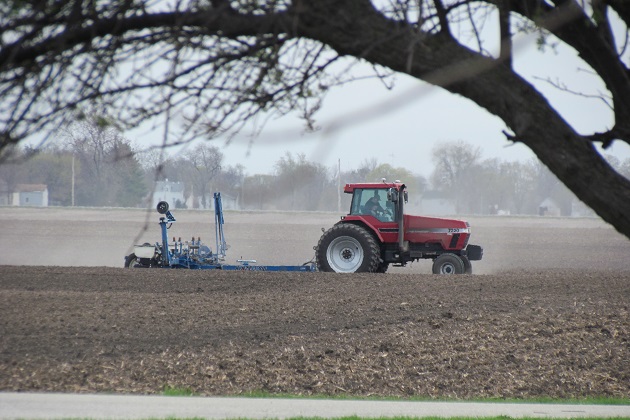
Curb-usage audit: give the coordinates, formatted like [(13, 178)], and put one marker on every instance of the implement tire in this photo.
[(347, 248), (131, 261)]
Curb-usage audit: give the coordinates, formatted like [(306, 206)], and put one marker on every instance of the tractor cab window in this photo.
[(373, 202)]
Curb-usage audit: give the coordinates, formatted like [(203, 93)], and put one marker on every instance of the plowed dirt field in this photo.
[(547, 312)]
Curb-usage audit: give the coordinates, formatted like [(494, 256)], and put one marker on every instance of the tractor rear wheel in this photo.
[(448, 264), (347, 248), (382, 267)]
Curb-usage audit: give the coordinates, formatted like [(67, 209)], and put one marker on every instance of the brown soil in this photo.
[(555, 324)]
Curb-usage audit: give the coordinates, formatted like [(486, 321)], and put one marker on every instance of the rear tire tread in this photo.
[(371, 248)]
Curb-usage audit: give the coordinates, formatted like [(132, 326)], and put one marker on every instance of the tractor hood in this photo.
[(424, 224), (451, 233)]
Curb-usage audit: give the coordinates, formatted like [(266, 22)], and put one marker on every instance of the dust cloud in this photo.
[(103, 237)]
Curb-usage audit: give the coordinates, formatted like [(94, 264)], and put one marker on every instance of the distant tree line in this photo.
[(92, 164), (487, 186)]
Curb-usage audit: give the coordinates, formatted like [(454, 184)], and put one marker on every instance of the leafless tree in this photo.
[(300, 184), (107, 170), (456, 164), (257, 191), (205, 67), (202, 165)]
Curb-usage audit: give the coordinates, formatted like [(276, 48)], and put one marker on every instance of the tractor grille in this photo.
[(454, 240)]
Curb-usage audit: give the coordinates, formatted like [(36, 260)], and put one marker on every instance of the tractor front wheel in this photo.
[(467, 265), (448, 264), (347, 248)]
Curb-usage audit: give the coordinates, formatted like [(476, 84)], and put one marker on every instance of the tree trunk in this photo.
[(355, 28)]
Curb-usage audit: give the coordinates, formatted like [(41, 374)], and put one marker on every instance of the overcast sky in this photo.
[(364, 120)]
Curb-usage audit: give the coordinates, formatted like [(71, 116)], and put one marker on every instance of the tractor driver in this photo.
[(373, 205)]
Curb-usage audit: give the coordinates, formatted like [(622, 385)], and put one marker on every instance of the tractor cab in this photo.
[(382, 201)]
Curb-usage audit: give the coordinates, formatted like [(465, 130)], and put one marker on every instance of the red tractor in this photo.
[(377, 233)]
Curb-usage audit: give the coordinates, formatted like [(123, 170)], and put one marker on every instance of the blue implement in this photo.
[(194, 254)]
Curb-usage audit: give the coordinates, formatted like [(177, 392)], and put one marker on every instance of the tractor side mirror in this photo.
[(406, 196), (392, 195)]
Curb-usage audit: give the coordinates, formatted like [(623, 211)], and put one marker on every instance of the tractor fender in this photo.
[(377, 235)]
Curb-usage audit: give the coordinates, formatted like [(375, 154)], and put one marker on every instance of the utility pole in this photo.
[(72, 193), (338, 185)]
